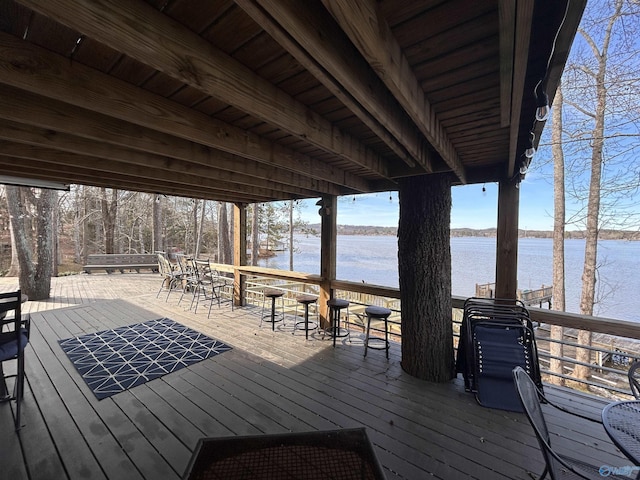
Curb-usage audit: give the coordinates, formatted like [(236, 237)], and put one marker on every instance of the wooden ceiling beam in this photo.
[(135, 28), (106, 167), (49, 171), (263, 177), (311, 35), (507, 15), (369, 32), (28, 67), (30, 109), (523, 19)]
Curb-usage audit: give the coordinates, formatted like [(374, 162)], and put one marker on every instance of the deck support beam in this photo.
[(328, 207), (507, 239)]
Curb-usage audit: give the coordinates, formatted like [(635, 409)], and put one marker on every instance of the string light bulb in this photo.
[(542, 104), (531, 150)]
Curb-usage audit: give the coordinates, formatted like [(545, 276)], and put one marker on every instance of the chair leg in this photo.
[(273, 314), (386, 336), (18, 390), (4, 393), (366, 336), (173, 283), (264, 300)]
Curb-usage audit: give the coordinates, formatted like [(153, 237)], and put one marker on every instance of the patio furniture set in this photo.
[(336, 307), (192, 276)]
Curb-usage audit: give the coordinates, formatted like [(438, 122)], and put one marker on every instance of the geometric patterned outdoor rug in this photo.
[(112, 361)]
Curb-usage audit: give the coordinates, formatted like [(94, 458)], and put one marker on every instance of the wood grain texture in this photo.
[(269, 382)]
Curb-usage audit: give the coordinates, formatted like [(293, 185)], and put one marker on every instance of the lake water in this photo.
[(373, 259)]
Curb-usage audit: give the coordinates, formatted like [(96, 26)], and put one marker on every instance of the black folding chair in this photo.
[(14, 337), (496, 335), (499, 347)]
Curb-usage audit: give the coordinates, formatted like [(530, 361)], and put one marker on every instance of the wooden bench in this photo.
[(125, 261)]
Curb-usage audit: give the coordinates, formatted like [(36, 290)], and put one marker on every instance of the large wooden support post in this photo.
[(239, 251), (424, 268), (507, 239), (328, 212)]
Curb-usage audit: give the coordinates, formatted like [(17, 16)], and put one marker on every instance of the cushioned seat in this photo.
[(335, 308), (272, 316), (378, 313), (306, 300)]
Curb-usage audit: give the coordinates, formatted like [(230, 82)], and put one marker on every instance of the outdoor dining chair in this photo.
[(557, 466), (171, 278), (14, 337)]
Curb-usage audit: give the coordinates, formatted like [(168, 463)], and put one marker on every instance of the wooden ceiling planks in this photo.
[(267, 107)]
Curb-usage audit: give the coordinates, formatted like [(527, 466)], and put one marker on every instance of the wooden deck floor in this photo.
[(270, 382)]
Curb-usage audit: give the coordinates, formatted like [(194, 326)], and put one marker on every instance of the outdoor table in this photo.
[(335, 454), (621, 421)]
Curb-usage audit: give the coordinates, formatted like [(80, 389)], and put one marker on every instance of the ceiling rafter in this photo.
[(36, 70), (260, 176), (31, 109), (42, 170), (136, 29), (110, 166), (507, 14), (523, 19), (370, 33), (311, 35)]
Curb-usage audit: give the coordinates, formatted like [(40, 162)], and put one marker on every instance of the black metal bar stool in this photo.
[(306, 300), (335, 308), (271, 316), (378, 313)]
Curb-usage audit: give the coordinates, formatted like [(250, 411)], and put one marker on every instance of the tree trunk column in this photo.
[(424, 267), (507, 239)]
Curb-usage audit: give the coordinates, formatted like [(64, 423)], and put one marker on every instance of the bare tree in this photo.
[(35, 278), (557, 331), (604, 79), (225, 254), (157, 223), (109, 212)]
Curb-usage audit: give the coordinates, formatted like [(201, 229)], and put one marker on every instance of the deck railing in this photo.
[(615, 345)]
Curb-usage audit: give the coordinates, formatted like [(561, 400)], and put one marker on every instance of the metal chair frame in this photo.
[(13, 342), (557, 466)]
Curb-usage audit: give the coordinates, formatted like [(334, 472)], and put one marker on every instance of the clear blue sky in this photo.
[(472, 208)]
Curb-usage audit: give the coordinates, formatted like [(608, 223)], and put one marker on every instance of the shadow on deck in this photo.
[(271, 382)]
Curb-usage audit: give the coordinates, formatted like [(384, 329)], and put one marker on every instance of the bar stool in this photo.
[(378, 313), (335, 307), (306, 300), (271, 316)]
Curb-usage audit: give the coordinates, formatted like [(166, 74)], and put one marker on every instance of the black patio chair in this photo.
[(171, 278), (557, 466), (495, 336), (634, 379), (14, 337)]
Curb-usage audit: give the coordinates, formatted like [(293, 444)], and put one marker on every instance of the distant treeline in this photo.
[(487, 232)]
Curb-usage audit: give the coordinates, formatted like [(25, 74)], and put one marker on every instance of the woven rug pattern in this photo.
[(115, 360)]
